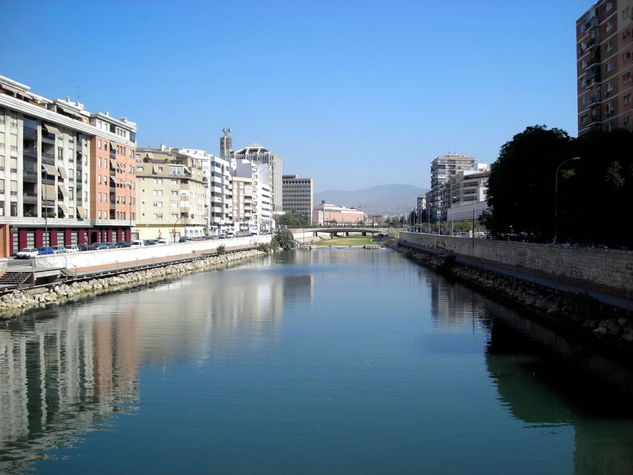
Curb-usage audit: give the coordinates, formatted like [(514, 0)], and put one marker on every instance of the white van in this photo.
[(137, 242)]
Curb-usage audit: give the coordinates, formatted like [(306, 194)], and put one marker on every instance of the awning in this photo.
[(62, 188), (62, 172), (81, 211), (50, 169), (52, 129), (48, 192), (64, 209), (114, 180), (113, 163)]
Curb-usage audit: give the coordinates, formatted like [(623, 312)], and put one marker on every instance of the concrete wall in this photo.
[(113, 257), (601, 267)]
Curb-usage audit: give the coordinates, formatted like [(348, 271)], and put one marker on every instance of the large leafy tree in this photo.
[(521, 184), (595, 200), (594, 193)]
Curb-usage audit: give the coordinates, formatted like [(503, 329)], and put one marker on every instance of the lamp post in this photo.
[(556, 194)]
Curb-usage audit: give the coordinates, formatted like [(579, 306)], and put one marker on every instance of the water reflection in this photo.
[(546, 380), (60, 376), (67, 370)]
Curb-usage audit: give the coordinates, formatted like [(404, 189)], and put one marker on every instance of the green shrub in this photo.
[(221, 250), (284, 239)]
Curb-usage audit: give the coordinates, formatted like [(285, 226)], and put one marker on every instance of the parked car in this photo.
[(97, 246), (85, 247), (185, 239), (45, 250), (150, 242), (59, 250), (110, 245), (27, 253), (161, 241), (198, 238), (123, 244), (137, 242), (72, 248)]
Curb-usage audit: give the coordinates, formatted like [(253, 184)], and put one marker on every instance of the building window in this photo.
[(609, 67), (158, 215), (71, 192), (99, 144), (627, 99)]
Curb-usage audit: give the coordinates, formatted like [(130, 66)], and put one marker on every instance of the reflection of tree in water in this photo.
[(59, 377), (543, 380)]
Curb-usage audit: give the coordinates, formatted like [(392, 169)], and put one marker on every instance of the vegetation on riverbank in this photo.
[(346, 241)]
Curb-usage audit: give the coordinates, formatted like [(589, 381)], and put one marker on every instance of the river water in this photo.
[(330, 361)]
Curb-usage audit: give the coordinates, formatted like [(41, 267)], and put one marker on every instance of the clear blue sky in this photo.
[(350, 93)]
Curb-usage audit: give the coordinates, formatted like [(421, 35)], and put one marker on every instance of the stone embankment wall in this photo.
[(597, 267), (17, 301), (609, 326)]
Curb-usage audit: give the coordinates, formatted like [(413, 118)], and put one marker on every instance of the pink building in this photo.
[(333, 215)]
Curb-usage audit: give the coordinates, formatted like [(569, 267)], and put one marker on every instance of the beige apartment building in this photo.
[(170, 195), (604, 55)]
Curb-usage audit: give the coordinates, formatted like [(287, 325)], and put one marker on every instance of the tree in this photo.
[(293, 220), (284, 239), (521, 183)]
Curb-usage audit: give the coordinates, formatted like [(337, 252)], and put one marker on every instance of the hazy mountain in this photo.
[(380, 199)]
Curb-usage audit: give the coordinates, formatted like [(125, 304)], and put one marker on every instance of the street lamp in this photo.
[(556, 194)]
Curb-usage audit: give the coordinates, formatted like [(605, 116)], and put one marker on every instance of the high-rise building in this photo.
[(297, 195), (442, 169), (468, 194), (50, 167), (258, 154), (604, 52)]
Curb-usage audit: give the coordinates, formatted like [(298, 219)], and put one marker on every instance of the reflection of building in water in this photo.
[(544, 379), (453, 305), (60, 376)]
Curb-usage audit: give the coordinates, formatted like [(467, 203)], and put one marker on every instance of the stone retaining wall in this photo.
[(597, 267)]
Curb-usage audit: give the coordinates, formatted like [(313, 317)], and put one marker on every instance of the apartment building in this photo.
[(252, 202), (604, 54), (46, 170), (442, 169), (297, 195), (170, 195), (468, 194), (258, 154)]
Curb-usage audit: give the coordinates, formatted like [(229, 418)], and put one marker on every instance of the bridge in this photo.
[(335, 231)]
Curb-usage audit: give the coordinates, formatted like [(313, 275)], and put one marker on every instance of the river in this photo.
[(329, 361)]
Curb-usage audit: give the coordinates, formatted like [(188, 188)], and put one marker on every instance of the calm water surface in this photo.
[(331, 361)]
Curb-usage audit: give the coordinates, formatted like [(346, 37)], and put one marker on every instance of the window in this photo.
[(99, 144), (609, 26), (627, 99), (158, 215), (609, 67), (71, 192), (99, 179), (626, 56), (14, 188)]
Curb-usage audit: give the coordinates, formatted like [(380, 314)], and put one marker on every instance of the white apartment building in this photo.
[(442, 169), (469, 194), (258, 154)]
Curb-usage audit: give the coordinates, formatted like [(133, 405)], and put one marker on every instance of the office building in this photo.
[(49, 187), (604, 54), (297, 195)]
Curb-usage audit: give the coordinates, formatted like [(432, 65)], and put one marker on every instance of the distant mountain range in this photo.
[(381, 199)]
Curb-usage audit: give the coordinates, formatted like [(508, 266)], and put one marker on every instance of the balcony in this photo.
[(48, 137), (29, 132), (29, 198), (48, 158)]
